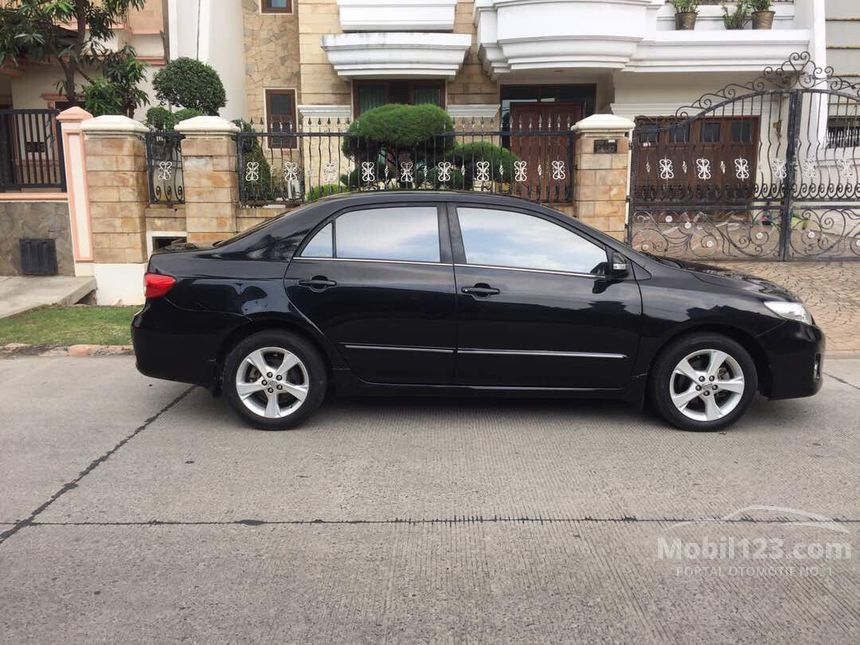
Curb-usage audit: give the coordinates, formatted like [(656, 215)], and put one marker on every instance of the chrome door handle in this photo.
[(317, 283), (481, 290)]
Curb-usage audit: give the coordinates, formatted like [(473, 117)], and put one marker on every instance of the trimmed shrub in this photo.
[(393, 133), (191, 84), (160, 118), (468, 155)]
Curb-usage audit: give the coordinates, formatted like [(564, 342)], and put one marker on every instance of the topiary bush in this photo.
[(394, 133), (160, 118), (468, 155), (191, 84)]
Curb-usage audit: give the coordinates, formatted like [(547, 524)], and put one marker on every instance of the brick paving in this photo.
[(831, 291)]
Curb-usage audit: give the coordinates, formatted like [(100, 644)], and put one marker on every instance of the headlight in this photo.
[(790, 310)]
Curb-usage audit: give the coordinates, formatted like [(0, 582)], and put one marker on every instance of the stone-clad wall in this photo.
[(271, 55), (34, 220), (116, 178), (282, 51), (472, 85), (320, 83)]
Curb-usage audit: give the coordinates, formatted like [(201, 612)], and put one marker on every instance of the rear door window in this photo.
[(401, 233)]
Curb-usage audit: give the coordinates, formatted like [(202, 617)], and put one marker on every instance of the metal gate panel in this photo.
[(768, 170)]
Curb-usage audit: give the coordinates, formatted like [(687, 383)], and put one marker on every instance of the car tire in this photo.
[(274, 380), (703, 382)]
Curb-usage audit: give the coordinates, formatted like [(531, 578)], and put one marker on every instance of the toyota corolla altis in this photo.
[(445, 293)]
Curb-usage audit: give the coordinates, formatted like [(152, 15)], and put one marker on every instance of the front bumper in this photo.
[(794, 352)]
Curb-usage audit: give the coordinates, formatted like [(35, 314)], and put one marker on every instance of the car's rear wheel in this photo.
[(703, 382), (274, 380)]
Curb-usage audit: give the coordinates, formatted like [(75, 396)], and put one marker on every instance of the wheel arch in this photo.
[(743, 338), (330, 360)]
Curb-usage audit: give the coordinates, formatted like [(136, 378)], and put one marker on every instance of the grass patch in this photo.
[(69, 326)]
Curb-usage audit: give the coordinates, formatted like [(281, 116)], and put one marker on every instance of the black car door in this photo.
[(379, 283), (534, 308)]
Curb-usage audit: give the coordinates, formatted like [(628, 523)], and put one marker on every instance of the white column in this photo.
[(74, 158)]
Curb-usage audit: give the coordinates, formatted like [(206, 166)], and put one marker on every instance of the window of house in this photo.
[(710, 132), (742, 131), (679, 133), (276, 6), (281, 116), (372, 94), (400, 233), (510, 239)]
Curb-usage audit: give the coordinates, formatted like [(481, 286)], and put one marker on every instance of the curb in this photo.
[(77, 351)]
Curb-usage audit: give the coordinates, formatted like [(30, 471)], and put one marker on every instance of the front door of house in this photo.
[(548, 156)]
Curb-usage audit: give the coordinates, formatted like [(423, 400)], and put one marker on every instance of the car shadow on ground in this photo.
[(763, 416)]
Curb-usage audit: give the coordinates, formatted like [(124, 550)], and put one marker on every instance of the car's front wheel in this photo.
[(274, 380), (703, 382)]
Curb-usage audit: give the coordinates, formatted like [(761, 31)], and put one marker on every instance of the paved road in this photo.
[(133, 510)]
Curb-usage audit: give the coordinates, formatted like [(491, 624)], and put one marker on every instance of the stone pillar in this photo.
[(602, 179), (117, 191), (210, 178), (74, 158)]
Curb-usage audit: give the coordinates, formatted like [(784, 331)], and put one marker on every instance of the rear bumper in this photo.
[(178, 345), (795, 353)]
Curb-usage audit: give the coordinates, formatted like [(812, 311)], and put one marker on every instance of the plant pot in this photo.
[(685, 20), (762, 20)]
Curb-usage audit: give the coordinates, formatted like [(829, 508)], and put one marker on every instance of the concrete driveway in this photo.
[(134, 510)]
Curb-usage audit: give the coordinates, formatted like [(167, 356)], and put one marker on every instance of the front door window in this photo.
[(510, 239)]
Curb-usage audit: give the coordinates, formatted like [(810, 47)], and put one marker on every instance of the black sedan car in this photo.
[(445, 293)]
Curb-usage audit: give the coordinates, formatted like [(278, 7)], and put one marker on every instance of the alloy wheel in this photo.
[(272, 382), (707, 385)]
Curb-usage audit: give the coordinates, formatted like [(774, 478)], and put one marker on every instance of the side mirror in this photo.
[(618, 265)]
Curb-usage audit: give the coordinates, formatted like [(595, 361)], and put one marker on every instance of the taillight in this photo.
[(156, 285)]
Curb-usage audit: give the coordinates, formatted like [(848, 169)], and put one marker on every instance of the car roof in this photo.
[(383, 196)]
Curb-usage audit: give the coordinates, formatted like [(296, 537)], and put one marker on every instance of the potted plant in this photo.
[(685, 14), (762, 14), (738, 18)]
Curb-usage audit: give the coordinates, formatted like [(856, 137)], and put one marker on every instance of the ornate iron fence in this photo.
[(765, 170), (31, 150), (164, 167), (287, 165)]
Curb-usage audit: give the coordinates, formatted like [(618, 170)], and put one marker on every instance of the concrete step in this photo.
[(21, 293)]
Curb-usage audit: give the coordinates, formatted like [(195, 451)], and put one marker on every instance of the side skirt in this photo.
[(347, 384)]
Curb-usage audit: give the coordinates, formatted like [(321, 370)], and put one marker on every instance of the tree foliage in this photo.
[(191, 84), (73, 32), (117, 91)]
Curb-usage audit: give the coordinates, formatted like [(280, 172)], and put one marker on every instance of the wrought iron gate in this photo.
[(765, 170)]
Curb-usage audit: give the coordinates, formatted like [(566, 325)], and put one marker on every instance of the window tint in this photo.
[(510, 239), (402, 233), (320, 245)]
